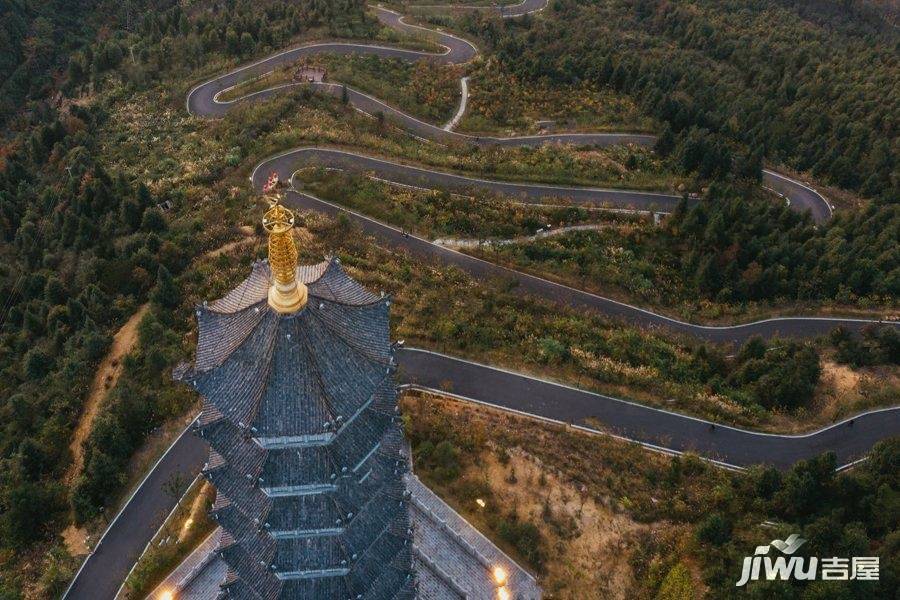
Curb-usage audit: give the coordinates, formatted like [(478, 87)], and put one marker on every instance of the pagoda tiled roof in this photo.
[(300, 413), (253, 361), (451, 561)]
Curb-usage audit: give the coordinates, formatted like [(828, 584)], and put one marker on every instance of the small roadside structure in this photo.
[(307, 73)]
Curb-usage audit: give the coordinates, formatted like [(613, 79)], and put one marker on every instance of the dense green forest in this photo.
[(45, 46), (810, 85), (733, 249), (851, 514), (82, 247), (176, 42), (35, 39)]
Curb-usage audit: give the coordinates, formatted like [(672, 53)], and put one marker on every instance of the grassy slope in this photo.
[(599, 518)]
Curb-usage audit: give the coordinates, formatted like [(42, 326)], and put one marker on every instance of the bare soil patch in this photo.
[(844, 391), (587, 538), (582, 492), (107, 375), (840, 378)]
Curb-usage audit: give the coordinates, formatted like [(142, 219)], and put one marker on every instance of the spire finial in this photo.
[(286, 294)]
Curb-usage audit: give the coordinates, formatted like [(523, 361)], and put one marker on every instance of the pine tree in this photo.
[(165, 294)]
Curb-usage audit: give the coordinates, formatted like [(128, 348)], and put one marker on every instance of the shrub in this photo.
[(715, 529), (37, 363), (876, 345), (153, 220), (166, 293), (525, 537), (553, 352), (782, 376), (27, 511), (446, 461), (678, 584)]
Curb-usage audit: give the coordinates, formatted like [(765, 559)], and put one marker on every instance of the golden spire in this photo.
[(286, 294)]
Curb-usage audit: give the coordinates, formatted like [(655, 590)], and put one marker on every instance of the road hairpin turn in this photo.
[(656, 429), (203, 101)]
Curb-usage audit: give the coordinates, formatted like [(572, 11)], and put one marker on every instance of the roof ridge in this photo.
[(316, 373), (326, 325), (336, 265), (254, 413), (229, 345)]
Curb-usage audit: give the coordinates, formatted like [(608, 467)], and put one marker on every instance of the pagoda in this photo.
[(296, 372)]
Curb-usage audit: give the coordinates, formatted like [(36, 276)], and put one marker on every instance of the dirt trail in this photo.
[(107, 375), (75, 539), (111, 367), (248, 240)]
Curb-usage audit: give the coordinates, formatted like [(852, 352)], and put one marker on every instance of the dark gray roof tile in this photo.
[(336, 285), (300, 414)]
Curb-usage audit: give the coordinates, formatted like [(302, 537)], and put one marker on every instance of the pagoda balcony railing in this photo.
[(284, 442), (313, 573), (298, 490), (299, 534)]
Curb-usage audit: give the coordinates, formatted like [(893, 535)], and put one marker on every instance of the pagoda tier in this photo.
[(300, 413)]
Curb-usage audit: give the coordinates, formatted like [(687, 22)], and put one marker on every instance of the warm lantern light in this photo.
[(167, 595), (480, 502), (188, 523), (503, 594), (500, 575)]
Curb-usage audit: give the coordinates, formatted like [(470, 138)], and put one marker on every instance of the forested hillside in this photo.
[(732, 249), (35, 40), (65, 44), (82, 245), (79, 247), (729, 250), (810, 85), (106, 186), (873, 10), (803, 84)]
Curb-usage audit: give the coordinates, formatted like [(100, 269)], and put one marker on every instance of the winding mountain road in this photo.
[(657, 429), (103, 572), (203, 101), (662, 431)]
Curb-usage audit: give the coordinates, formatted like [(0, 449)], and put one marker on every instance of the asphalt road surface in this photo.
[(106, 568), (285, 164), (793, 327), (103, 572), (657, 428), (202, 101)]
